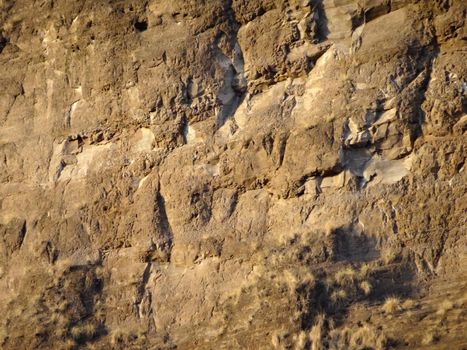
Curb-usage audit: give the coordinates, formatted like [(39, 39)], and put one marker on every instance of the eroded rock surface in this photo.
[(233, 174)]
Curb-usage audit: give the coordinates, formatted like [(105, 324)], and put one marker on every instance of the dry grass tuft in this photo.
[(275, 341), (463, 300), (63, 305), (293, 279), (69, 344), (391, 305), (339, 296), (390, 256), (118, 335), (366, 287), (339, 338), (3, 334), (345, 276), (365, 337), (409, 304), (61, 333), (64, 264), (55, 318), (86, 331), (364, 271), (301, 341), (330, 228), (444, 307), (430, 338), (278, 339), (317, 332), (100, 271)]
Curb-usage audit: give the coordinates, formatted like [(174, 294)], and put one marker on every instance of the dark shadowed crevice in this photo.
[(166, 241), (236, 79), (141, 26), (322, 30), (3, 42)]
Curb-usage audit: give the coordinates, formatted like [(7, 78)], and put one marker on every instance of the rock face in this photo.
[(233, 174)]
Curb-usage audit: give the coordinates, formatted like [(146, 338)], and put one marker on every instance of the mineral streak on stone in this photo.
[(233, 174)]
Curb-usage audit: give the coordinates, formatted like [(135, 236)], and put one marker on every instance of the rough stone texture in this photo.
[(233, 174)]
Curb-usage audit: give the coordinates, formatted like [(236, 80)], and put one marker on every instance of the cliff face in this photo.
[(233, 174)]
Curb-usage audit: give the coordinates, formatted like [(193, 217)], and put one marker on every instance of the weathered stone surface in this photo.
[(244, 174)]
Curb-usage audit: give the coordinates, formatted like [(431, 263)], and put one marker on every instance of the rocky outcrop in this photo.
[(233, 174)]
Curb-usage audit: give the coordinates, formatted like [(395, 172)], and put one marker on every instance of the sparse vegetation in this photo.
[(293, 279), (365, 286), (317, 332), (390, 255), (60, 332), (345, 276), (349, 283), (391, 305), (430, 338), (83, 332), (274, 341), (280, 338), (339, 296), (365, 337), (365, 270), (70, 344), (408, 304), (55, 318), (301, 340), (63, 305), (444, 307), (339, 338), (64, 264), (118, 335), (100, 271)]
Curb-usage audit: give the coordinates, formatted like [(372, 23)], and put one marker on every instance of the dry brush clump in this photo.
[(84, 332), (121, 335), (409, 304), (294, 278), (317, 332), (325, 336), (364, 337), (445, 306), (339, 297), (69, 344), (322, 295), (345, 275), (391, 305), (283, 339), (367, 337), (366, 287), (349, 284), (430, 337)]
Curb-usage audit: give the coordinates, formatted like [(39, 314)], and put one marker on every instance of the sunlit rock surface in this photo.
[(233, 174)]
